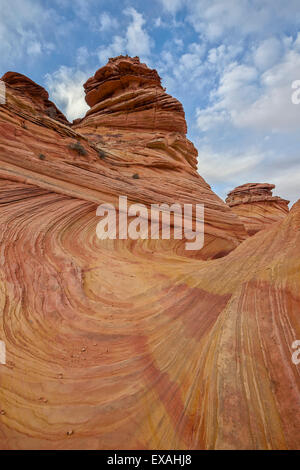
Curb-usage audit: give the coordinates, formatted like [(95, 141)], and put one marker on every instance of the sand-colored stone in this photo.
[(123, 344)]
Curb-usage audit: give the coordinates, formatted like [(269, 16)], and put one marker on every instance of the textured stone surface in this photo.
[(123, 344), (256, 206), (127, 94), (165, 162), (34, 98)]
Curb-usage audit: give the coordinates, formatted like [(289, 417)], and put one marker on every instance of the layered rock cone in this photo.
[(256, 206), (123, 344)]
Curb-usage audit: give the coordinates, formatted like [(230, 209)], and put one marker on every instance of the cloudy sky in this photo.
[(230, 62)]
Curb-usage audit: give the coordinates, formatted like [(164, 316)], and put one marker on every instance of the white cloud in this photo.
[(251, 98), (24, 26), (172, 6), (82, 56), (117, 47), (82, 8), (34, 48), (138, 40), (227, 18), (268, 53), (107, 22), (235, 91), (66, 90), (178, 43), (185, 68), (225, 170), (287, 183), (210, 117), (220, 57), (234, 165), (274, 110)]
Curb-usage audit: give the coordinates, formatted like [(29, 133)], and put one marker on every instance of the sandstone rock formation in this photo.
[(34, 98), (256, 206), (123, 344), (164, 160)]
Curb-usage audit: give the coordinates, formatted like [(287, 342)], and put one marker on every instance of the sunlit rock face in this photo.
[(126, 93), (123, 344), (142, 130), (256, 207)]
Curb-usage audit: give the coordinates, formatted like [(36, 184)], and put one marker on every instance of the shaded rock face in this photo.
[(123, 344), (102, 166), (256, 207), (34, 96)]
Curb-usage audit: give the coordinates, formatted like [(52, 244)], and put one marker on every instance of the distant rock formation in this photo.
[(133, 344), (127, 94), (256, 206)]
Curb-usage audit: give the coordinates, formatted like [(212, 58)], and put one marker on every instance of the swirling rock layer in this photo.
[(256, 207), (127, 94), (123, 344)]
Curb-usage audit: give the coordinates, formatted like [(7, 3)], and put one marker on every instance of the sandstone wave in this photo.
[(136, 344)]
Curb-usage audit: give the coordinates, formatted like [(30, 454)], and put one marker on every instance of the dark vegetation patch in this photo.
[(77, 147)]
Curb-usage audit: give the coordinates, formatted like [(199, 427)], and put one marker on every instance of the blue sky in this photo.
[(230, 62)]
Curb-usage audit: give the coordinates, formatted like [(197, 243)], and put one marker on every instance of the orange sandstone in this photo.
[(132, 344), (256, 207)]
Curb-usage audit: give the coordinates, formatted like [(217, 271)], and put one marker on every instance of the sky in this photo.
[(231, 63)]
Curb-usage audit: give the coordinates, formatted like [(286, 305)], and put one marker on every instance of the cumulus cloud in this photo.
[(233, 164), (236, 89), (172, 6), (82, 56), (115, 48), (231, 63), (66, 90), (267, 53), (34, 48), (184, 66), (225, 170), (211, 117), (274, 110), (225, 18)]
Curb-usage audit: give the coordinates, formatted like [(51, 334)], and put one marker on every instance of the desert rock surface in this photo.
[(136, 344), (256, 206)]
